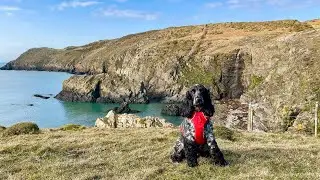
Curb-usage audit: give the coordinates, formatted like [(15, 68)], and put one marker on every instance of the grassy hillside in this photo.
[(314, 23), (144, 154)]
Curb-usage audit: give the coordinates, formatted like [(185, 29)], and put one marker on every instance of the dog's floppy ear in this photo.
[(208, 108), (187, 107)]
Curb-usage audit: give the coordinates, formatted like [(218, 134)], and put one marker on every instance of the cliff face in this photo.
[(274, 64)]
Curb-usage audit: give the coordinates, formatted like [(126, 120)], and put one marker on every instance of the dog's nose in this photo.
[(198, 100)]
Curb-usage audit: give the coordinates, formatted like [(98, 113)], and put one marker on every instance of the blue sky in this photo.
[(59, 23)]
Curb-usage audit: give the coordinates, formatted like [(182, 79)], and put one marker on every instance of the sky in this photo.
[(26, 24)]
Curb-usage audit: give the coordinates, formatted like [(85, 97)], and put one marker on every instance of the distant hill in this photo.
[(315, 23), (274, 64)]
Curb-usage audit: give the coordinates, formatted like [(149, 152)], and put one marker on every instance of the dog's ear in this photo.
[(187, 107), (208, 108), (188, 95)]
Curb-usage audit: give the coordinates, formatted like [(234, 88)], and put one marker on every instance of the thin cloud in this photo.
[(10, 1), (214, 4), (128, 13), (9, 8), (235, 4), (76, 4), (121, 1)]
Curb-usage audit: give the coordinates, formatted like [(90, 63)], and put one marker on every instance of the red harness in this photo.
[(199, 121)]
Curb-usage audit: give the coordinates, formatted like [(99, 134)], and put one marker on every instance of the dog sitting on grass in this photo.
[(197, 137)]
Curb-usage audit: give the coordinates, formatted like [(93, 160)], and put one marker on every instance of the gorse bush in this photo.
[(22, 128), (224, 133)]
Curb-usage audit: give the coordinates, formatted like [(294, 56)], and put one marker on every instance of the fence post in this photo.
[(316, 120), (250, 118)]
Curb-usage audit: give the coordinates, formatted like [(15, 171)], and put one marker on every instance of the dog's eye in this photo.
[(193, 90)]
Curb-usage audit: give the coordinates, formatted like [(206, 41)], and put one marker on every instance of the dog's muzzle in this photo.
[(197, 101)]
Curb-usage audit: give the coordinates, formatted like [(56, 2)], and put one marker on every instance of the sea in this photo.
[(18, 104)]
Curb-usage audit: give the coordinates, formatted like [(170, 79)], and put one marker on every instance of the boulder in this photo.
[(303, 124), (41, 96), (237, 119), (172, 109), (113, 120), (109, 121), (124, 108), (151, 121)]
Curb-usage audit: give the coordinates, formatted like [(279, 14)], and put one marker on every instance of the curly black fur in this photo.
[(191, 152), (197, 99)]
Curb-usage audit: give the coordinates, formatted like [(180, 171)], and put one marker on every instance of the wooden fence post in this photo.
[(316, 120), (250, 117)]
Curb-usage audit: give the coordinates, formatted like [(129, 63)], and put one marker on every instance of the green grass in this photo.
[(255, 81), (224, 133), (194, 74), (72, 127), (144, 154), (289, 25)]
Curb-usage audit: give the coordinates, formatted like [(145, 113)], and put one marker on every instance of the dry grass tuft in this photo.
[(2, 128), (144, 154), (314, 23), (21, 128)]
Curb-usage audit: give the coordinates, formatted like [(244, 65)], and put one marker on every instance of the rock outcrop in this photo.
[(124, 108), (113, 120), (172, 109), (303, 123), (275, 65), (102, 88)]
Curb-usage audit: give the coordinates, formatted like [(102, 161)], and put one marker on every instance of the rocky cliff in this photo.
[(273, 64)]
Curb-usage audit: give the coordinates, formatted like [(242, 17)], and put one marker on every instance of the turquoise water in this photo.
[(18, 87)]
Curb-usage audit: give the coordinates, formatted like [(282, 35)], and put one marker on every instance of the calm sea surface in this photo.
[(16, 94)]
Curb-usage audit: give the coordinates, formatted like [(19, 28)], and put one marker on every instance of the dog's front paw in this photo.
[(176, 159), (192, 164), (223, 163)]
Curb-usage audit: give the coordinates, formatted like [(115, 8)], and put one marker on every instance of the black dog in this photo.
[(197, 130)]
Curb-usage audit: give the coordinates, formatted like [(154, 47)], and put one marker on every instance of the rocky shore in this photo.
[(273, 64), (114, 120)]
